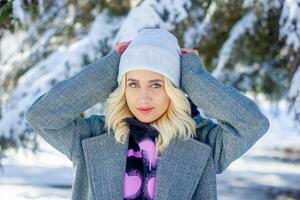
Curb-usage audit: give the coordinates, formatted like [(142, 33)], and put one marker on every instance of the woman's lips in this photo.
[(145, 110)]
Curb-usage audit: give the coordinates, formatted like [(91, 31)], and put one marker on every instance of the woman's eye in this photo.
[(155, 85), (130, 84), (158, 85)]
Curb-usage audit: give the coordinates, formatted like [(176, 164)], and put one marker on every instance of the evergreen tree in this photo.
[(252, 45)]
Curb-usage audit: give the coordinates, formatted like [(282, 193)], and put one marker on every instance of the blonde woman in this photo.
[(151, 143)]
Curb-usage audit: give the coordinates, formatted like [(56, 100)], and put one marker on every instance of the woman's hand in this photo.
[(186, 51), (120, 47), (191, 61), (191, 66)]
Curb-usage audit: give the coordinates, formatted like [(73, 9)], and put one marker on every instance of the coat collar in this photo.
[(179, 169), (140, 130)]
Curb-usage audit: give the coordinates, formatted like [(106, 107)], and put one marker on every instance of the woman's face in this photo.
[(145, 89)]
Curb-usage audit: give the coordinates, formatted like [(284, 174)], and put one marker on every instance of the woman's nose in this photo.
[(145, 94)]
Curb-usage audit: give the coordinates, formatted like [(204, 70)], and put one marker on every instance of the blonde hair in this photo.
[(175, 122)]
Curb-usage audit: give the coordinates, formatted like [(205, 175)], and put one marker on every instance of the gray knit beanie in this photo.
[(155, 50)]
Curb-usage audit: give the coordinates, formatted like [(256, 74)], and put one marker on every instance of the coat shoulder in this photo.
[(207, 148), (96, 123)]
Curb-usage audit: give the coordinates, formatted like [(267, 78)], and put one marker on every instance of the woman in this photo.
[(167, 152)]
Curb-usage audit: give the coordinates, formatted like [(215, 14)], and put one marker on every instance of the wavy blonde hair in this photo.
[(175, 122)]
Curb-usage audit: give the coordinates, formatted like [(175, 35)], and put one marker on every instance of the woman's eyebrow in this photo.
[(151, 81)]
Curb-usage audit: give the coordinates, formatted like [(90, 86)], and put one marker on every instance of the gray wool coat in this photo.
[(186, 170)]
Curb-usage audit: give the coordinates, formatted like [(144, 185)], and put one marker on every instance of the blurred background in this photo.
[(252, 45)]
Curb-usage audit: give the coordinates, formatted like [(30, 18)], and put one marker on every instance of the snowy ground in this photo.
[(270, 170)]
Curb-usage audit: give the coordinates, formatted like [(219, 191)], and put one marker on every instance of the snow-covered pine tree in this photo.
[(251, 44)]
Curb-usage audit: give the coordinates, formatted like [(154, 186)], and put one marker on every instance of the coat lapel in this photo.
[(106, 165), (179, 169)]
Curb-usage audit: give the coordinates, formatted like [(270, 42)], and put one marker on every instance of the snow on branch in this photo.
[(61, 64), (246, 23), (19, 13), (164, 14), (294, 94), (290, 23), (194, 34)]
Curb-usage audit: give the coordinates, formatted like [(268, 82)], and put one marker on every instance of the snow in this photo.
[(26, 192), (19, 12), (164, 14), (290, 23), (40, 78), (281, 125), (265, 169), (265, 4), (41, 7), (295, 86), (29, 46), (9, 38), (244, 25), (65, 61), (294, 93), (194, 34), (45, 175), (270, 165)]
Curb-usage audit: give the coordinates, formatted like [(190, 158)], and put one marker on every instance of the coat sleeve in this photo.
[(55, 115), (240, 122)]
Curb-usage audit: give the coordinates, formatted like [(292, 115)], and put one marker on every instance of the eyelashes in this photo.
[(157, 85)]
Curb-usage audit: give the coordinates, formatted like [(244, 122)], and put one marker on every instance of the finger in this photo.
[(196, 52), (186, 50), (121, 46)]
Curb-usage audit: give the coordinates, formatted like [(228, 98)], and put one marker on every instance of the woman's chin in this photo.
[(145, 119)]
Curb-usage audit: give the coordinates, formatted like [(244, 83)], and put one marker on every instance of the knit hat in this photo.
[(152, 49)]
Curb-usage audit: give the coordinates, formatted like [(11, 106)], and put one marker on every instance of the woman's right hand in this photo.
[(188, 50), (191, 61), (120, 47)]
